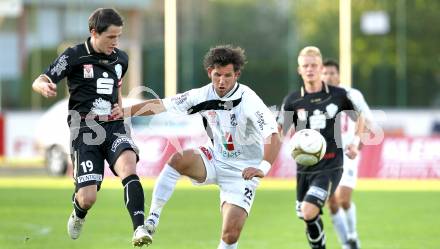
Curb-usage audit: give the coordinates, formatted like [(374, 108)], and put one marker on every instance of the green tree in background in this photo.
[(273, 31)]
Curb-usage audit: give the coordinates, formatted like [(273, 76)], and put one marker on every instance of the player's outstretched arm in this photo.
[(146, 108), (43, 86)]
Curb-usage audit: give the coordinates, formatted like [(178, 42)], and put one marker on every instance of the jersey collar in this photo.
[(324, 89), (230, 93), (89, 47)]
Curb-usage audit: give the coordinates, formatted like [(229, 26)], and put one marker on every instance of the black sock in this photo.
[(80, 212), (134, 199), (315, 233)]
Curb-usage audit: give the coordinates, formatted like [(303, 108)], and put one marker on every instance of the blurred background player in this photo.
[(244, 135), (344, 219), (315, 106), (94, 70)]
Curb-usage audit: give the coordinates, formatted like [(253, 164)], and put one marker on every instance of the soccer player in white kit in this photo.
[(245, 142), (342, 208)]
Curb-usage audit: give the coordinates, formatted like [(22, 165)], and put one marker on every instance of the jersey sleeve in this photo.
[(123, 69), (281, 113), (60, 67), (261, 117), (182, 102), (287, 116), (359, 103)]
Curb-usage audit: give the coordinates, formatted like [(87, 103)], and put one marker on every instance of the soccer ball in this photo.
[(308, 147)]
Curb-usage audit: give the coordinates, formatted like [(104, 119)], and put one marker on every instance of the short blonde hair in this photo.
[(310, 51)]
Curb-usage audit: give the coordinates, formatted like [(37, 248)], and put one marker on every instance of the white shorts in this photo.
[(233, 188), (349, 176)]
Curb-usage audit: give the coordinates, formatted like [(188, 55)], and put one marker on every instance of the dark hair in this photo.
[(223, 55), (331, 63), (102, 18)]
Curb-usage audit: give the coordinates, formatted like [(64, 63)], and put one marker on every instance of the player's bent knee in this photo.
[(126, 163), (86, 201), (86, 196), (309, 215), (309, 211), (231, 237), (346, 204), (177, 162)]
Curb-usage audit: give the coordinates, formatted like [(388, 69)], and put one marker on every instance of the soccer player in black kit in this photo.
[(94, 71), (316, 106)]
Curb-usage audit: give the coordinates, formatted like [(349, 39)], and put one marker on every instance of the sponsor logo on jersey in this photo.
[(60, 66), (179, 99), (228, 142), (317, 120), (260, 120), (233, 119), (101, 107), (89, 177), (105, 85), (206, 152), (315, 100), (88, 71), (331, 109), (118, 70), (231, 154), (122, 140), (229, 150), (302, 114), (212, 117)]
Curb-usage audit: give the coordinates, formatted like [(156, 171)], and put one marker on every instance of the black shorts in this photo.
[(92, 145), (316, 187)]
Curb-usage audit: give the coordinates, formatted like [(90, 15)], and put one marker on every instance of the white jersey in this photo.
[(348, 126), (237, 123)]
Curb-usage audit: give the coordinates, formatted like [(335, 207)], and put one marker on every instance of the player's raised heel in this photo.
[(150, 225), (74, 225), (141, 237)]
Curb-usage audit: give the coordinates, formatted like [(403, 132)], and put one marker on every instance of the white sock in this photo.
[(351, 221), (340, 223), (223, 245), (163, 189)]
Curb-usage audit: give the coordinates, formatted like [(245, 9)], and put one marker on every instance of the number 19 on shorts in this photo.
[(87, 166)]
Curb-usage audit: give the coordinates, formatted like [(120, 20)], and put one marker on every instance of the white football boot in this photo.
[(141, 237), (151, 223), (74, 225)]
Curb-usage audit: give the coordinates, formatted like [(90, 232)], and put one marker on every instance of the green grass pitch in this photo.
[(32, 218)]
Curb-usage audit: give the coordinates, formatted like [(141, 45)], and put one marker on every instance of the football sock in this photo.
[(315, 233), (163, 189), (340, 223), (134, 199), (80, 212), (351, 221), (223, 245)]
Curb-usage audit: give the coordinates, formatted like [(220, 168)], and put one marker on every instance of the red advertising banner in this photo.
[(402, 157), (395, 157)]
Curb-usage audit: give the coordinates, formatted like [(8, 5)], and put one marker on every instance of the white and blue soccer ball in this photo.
[(308, 147)]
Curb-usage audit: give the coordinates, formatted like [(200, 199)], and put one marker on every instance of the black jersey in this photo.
[(319, 111), (93, 78)]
